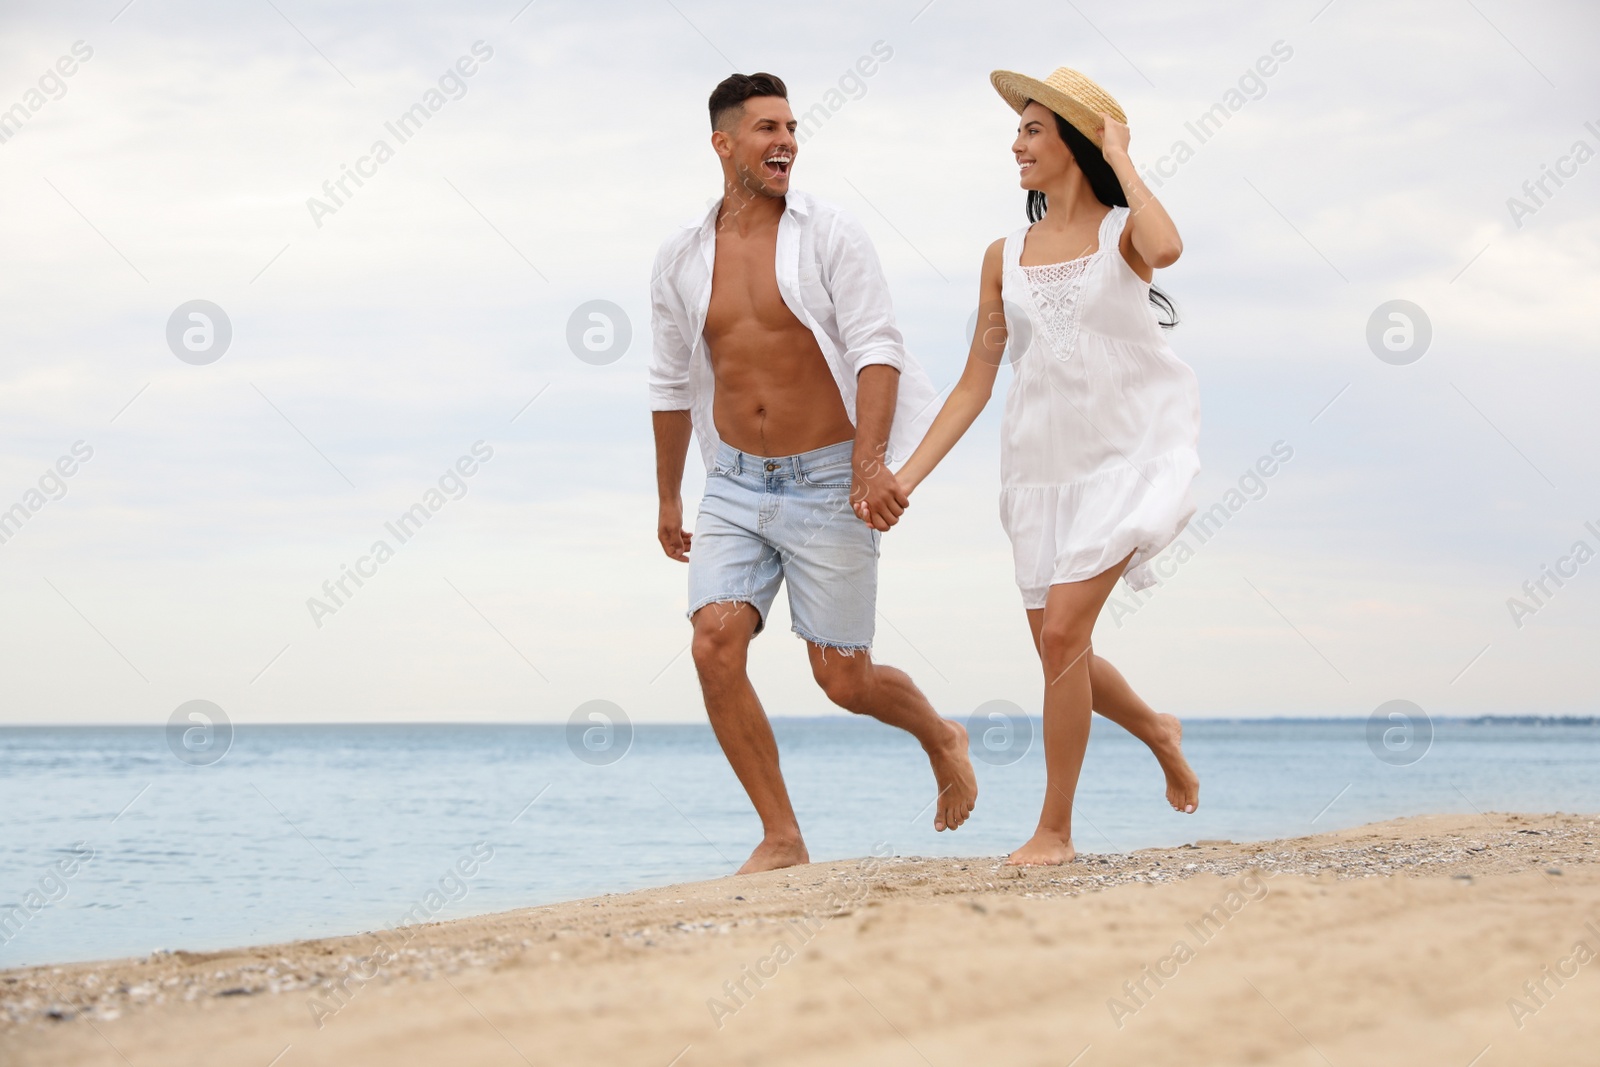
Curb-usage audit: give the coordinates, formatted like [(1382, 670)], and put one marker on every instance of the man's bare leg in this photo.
[(721, 646), (855, 683), (1115, 699)]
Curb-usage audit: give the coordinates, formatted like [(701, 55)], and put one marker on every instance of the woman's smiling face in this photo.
[(1042, 156)]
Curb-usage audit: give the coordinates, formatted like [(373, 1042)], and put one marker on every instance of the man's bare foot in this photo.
[(776, 852), (1183, 785), (952, 772), (1043, 849)]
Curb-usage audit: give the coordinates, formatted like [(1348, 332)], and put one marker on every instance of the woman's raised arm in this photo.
[(1150, 235)]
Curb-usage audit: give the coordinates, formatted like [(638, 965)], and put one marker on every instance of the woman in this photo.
[(1098, 446)]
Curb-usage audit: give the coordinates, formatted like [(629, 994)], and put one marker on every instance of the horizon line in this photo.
[(1557, 718)]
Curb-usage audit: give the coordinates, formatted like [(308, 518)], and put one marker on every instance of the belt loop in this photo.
[(738, 462)]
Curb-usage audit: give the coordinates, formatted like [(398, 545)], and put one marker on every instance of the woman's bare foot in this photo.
[(1183, 785), (1043, 849), (776, 852), (952, 772)]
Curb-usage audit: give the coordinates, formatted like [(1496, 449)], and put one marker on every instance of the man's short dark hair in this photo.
[(735, 89)]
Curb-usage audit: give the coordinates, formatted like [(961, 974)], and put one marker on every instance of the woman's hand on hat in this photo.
[(1114, 135)]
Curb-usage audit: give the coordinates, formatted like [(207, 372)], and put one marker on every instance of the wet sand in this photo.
[(1426, 940)]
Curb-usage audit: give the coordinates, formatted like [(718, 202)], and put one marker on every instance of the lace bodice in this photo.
[(1057, 289)]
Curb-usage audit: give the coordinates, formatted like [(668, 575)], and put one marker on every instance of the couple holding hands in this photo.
[(774, 343)]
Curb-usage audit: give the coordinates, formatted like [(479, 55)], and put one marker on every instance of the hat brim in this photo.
[(1017, 89)]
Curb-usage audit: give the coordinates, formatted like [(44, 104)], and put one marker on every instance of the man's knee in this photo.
[(845, 677), (722, 635)]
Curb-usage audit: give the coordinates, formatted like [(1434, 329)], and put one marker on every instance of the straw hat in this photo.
[(1073, 96)]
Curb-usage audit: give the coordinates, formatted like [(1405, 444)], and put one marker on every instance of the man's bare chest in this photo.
[(744, 288)]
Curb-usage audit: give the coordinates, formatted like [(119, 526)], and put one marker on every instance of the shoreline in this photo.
[(695, 960), (1098, 859)]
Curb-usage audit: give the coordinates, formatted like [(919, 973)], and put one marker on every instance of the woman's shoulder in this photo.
[(997, 248), (994, 258)]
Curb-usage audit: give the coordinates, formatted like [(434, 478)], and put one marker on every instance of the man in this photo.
[(775, 344)]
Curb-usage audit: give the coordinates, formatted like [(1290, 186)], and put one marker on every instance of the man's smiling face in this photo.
[(757, 144)]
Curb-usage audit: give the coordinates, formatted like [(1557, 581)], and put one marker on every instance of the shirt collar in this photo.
[(795, 202)]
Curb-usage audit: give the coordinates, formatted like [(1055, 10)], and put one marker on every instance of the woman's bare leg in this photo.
[(1066, 625), (1115, 699)]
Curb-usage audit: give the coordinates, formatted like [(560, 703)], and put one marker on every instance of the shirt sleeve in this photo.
[(670, 352), (863, 311)]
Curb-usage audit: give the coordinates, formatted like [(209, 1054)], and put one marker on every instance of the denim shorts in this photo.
[(764, 520)]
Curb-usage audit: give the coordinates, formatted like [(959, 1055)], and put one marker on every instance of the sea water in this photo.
[(305, 831)]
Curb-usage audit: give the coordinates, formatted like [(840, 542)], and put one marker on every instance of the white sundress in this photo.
[(1102, 421)]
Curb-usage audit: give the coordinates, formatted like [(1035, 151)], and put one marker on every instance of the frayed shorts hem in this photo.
[(847, 647), (761, 616)]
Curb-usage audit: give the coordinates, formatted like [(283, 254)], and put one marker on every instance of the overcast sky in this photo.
[(375, 343)]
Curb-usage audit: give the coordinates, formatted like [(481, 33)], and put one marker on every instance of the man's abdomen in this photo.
[(775, 395)]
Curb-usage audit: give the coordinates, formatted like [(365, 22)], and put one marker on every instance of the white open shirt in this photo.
[(829, 277)]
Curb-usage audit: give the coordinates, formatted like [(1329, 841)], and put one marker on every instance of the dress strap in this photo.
[(1011, 254), (1111, 227)]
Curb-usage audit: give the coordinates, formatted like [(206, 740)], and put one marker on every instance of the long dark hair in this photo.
[(1108, 190)]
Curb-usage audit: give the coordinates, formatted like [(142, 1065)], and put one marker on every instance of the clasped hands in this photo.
[(876, 495)]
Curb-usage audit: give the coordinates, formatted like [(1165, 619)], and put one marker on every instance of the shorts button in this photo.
[(772, 466)]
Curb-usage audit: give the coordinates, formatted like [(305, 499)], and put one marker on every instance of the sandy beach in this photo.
[(1440, 939)]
